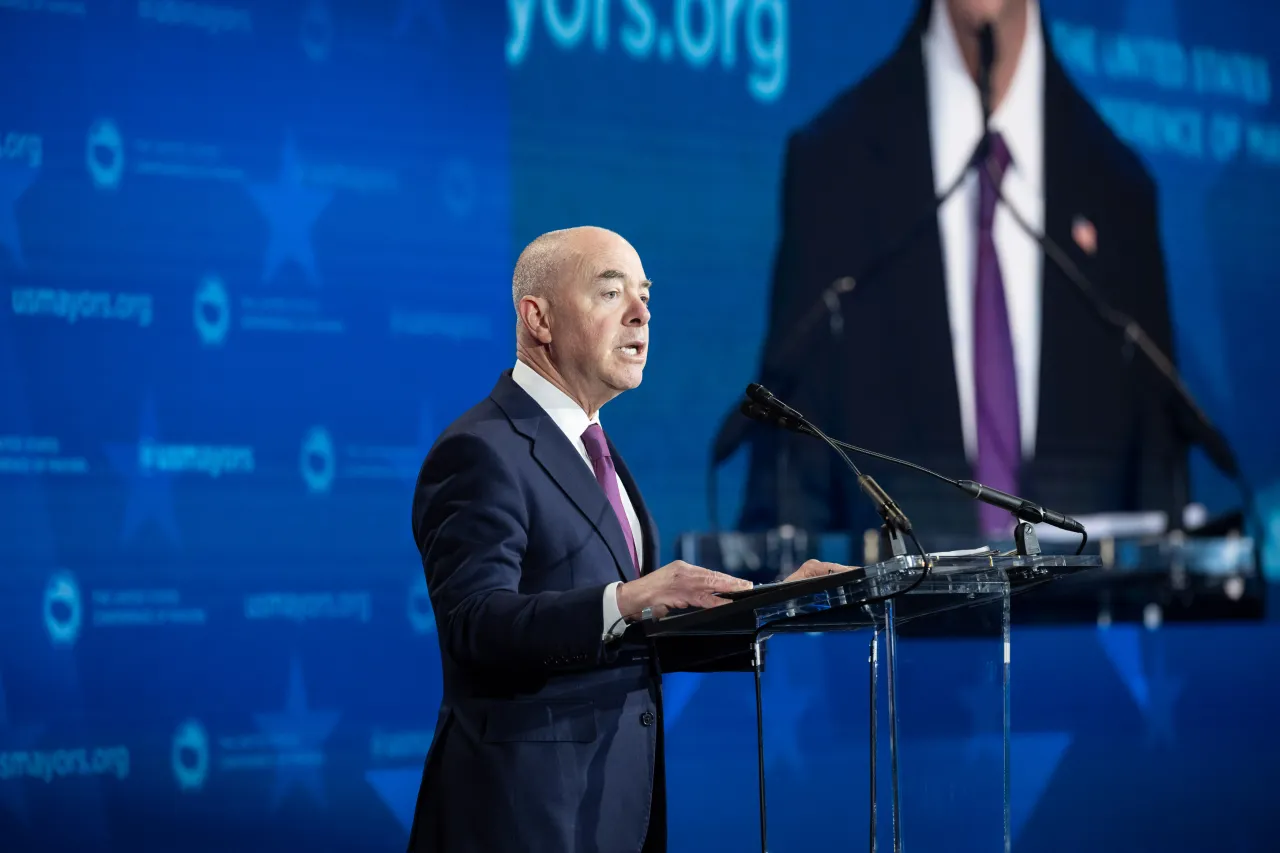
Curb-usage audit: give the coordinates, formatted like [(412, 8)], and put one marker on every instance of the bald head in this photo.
[(581, 300), (551, 258)]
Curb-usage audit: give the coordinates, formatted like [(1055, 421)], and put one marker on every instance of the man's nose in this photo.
[(639, 313)]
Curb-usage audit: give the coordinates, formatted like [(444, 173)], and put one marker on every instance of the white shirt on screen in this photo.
[(573, 422), (955, 127)]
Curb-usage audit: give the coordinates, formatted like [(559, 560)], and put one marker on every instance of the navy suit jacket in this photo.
[(547, 738)]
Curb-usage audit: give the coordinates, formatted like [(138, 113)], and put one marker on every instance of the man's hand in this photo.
[(675, 586), (817, 568)]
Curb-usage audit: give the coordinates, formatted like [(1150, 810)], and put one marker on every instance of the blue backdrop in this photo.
[(253, 256)]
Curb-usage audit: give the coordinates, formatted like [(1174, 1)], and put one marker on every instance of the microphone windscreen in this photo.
[(758, 392)]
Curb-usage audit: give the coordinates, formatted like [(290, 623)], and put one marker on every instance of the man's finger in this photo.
[(721, 582), (826, 569)]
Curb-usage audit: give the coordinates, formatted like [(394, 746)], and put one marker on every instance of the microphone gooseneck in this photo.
[(1200, 429), (1020, 508), (762, 405), (986, 62)]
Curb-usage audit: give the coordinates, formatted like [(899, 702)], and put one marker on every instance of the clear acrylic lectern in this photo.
[(931, 773)]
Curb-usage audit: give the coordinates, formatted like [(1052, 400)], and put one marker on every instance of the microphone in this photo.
[(764, 397), (763, 414), (763, 406), (1020, 507), (986, 61)]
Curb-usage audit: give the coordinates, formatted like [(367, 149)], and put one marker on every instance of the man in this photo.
[(538, 551), (967, 351)]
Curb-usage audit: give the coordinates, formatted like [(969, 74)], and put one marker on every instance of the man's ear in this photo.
[(535, 316)]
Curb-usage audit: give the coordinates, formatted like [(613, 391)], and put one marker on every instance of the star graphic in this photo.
[(1122, 645), (398, 790), (411, 10), (1154, 690), (1034, 758), (150, 492), (14, 179), (299, 734), (291, 209), (14, 739)]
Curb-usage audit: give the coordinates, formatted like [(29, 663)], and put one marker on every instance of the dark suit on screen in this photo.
[(856, 179), (548, 738)]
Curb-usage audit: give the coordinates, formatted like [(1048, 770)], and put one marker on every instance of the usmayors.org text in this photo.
[(74, 305), (47, 764), (701, 32)]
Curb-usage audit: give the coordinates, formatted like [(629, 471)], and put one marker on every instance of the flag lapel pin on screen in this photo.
[(1085, 235)]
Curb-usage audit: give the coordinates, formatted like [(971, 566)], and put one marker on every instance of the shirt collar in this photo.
[(956, 107), (559, 406)]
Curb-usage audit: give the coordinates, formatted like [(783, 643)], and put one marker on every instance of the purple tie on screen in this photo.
[(995, 382), (606, 476)]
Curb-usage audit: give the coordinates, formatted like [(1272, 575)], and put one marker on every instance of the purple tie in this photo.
[(606, 476), (995, 383)]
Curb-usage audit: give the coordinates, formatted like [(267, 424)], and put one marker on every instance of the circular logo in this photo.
[(104, 154), (212, 311), (317, 460), (317, 31), (190, 755), (62, 609), (421, 616)]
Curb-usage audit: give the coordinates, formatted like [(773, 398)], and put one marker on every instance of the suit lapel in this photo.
[(563, 464), (915, 289), (1061, 309)]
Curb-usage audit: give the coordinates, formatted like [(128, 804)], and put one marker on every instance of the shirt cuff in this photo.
[(614, 625)]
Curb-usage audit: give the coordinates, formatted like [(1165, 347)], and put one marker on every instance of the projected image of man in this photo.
[(963, 348)]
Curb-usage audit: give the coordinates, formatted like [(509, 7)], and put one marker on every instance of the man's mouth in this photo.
[(632, 349)]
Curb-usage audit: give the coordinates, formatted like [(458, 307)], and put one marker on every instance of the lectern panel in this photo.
[(934, 764), (952, 712)]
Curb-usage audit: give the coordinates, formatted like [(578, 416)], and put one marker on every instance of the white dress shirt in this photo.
[(573, 422), (955, 127)]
